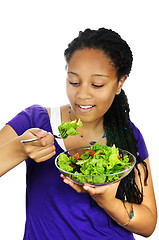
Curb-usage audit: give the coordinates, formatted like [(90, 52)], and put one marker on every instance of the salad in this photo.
[(95, 162), (69, 128)]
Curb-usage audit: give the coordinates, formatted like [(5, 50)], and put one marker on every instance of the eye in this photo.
[(74, 83), (97, 86)]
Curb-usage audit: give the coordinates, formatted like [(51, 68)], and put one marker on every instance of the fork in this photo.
[(35, 139)]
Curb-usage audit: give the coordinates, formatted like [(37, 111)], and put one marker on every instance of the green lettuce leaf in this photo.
[(106, 160), (69, 128)]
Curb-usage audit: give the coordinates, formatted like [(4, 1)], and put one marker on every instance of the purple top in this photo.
[(53, 209)]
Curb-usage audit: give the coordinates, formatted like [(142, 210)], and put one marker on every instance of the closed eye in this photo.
[(74, 83), (97, 86)]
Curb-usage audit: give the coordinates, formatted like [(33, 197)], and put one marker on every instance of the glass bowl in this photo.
[(97, 180)]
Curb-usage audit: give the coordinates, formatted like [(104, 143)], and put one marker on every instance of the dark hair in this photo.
[(116, 120), (110, 42)]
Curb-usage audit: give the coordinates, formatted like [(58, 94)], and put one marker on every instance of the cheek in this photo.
[(70, 94), (105, 100), (107, 95), (67, 90)]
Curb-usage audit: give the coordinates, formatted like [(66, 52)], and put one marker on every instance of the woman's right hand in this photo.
[(40, 150)]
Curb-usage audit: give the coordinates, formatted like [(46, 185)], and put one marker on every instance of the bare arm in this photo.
[(145, 215), (13, 152)]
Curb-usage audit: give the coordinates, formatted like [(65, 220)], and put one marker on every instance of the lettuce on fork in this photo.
[(69, 128)]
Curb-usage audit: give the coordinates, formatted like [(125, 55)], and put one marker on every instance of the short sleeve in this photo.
[(34, 116), (142, 149)]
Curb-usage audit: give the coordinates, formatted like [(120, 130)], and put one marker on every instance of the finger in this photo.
[(91, 190), (47, 140), (33, 133), (39, 133), (94, 190), (46, 157), (62, 176), (78, 188), (42, 154), (99, 190)]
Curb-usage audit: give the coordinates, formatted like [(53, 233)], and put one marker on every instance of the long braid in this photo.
[(120, 133)]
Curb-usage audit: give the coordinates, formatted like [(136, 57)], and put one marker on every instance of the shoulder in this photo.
[(142, 149), (35, 116), (35, 109), (136, 130)]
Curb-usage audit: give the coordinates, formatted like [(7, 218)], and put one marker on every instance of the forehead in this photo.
[(88, 53), (89, 58)]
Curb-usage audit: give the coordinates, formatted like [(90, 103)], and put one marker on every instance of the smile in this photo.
[(86, 107)]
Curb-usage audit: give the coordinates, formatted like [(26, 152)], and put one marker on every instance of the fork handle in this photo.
[(29, 140), (35, 139)]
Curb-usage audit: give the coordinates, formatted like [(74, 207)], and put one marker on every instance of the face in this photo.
[(91, 84)]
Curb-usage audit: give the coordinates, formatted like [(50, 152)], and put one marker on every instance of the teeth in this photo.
[(85, 107)]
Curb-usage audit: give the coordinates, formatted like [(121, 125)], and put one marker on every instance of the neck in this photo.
[(93, 127), (87, 126), (92, 130)]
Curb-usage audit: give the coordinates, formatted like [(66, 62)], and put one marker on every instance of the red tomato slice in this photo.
[(77, 156), (72, 165), (91, 152)]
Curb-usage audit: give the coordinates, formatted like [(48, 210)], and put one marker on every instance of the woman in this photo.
[(98, 63)]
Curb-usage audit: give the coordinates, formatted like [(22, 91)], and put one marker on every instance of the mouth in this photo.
[(85, 108)]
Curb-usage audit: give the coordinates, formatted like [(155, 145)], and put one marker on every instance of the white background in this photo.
[(33, 36)]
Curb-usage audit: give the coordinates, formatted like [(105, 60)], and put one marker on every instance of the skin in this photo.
[(91, 81)]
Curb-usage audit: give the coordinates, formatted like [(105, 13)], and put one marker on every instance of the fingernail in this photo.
[(86, 188), (65, 181), (42, 133)]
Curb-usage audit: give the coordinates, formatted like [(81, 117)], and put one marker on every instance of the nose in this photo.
[(83, 92)]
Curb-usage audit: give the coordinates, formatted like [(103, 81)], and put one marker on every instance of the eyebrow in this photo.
[(73, 73), (99, 75), (93, 75)]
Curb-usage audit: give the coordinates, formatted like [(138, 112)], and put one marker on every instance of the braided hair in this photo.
[(116, 120)]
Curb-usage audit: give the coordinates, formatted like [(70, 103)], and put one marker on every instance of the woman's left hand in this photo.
[(101, 194), (145, 217)]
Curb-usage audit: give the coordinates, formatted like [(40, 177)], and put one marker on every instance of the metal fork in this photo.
[(35, 139)]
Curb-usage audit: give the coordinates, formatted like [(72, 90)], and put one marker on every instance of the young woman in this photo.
[(98, 63)]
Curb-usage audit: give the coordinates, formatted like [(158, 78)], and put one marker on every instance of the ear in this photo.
[(120, 84)]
